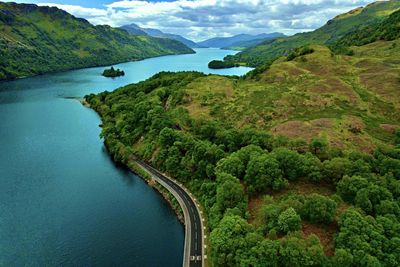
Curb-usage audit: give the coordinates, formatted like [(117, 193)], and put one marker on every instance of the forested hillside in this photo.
[(296, 164), (331, 32), (36, 40)]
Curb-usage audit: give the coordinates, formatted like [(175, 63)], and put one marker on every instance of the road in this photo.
[(194, 231)]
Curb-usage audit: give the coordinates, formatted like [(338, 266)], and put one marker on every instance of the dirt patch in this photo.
[(322, 123), (335, 86), (301, 129), (390, 128), (295, 129), (325, 234), (364, 143), (254, 206), (354, 124), (303, 187)]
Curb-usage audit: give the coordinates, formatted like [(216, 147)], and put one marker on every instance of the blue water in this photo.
[(63, 202)]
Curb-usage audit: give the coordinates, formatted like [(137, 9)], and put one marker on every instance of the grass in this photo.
[(318, 94)]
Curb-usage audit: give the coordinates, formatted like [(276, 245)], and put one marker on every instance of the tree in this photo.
[(232, 165), (228, 239), (318, 146), (167, 137), (298, 252), (311, 167), (368, 198), (363, 237), (230, 194), (319, 209), (342, 258), (290, 162), (349, 186), (397, 137), (263, 173), (289, 221), (336, 168)]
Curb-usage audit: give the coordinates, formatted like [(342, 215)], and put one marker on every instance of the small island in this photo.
[(111, 72), (219, 64)]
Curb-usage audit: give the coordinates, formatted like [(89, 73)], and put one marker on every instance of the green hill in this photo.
[(36, 40), (388, 30), (297, 164), (332, 31)]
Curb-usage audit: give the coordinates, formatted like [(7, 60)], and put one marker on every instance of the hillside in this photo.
[(327, 34), (36, 40), (135, 29), (388, 30), (242, 45), (296, 164), (236, 40)]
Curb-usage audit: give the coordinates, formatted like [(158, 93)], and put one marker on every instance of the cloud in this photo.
[(202, 19)]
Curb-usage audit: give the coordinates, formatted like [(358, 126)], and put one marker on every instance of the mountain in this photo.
[(36, 40), (242, 45), (135, 29), (220, 42), (327, 34)]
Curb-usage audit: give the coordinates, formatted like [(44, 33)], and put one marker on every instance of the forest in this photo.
[(355, 195)]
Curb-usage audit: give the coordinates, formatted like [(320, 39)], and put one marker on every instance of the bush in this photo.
[(319, 209), (289, 221)]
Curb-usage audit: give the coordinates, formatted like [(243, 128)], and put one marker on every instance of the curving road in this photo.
[(194, 231)]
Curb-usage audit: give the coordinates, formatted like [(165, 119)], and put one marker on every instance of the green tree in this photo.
[(342, 258), (349, 186), (230, 194), (298, 252), (228, 239), (336, 168), (289, 221), (319, 209), (232, 165), (318, 146), (290, 162), (263, 173)]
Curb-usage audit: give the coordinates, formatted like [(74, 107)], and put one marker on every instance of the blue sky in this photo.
[(203, 19)]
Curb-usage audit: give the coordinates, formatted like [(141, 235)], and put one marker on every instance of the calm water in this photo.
[(62, 200)]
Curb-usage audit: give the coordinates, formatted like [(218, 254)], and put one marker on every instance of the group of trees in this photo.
[(225, 166), (219, 64), (111, 72)]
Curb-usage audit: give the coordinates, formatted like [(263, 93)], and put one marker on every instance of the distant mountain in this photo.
[(246, 44), (135, 29), (220, 42), (332, 31), (35, 40)]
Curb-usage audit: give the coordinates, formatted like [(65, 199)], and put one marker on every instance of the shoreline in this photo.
[(136, 169), (92, 66), (167, 196)]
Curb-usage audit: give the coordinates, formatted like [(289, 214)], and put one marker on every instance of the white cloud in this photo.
[(202, 19)]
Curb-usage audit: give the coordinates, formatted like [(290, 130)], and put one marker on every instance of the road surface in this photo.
[(194, 231)]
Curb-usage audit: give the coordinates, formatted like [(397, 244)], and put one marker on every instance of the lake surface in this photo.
[(63, 202)]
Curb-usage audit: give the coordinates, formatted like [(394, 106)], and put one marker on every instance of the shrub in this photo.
[(319, 209), (289, 221)]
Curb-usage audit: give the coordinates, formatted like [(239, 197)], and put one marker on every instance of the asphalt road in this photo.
[(194, 245)]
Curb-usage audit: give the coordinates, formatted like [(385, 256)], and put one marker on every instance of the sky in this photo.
[(204, 19)]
